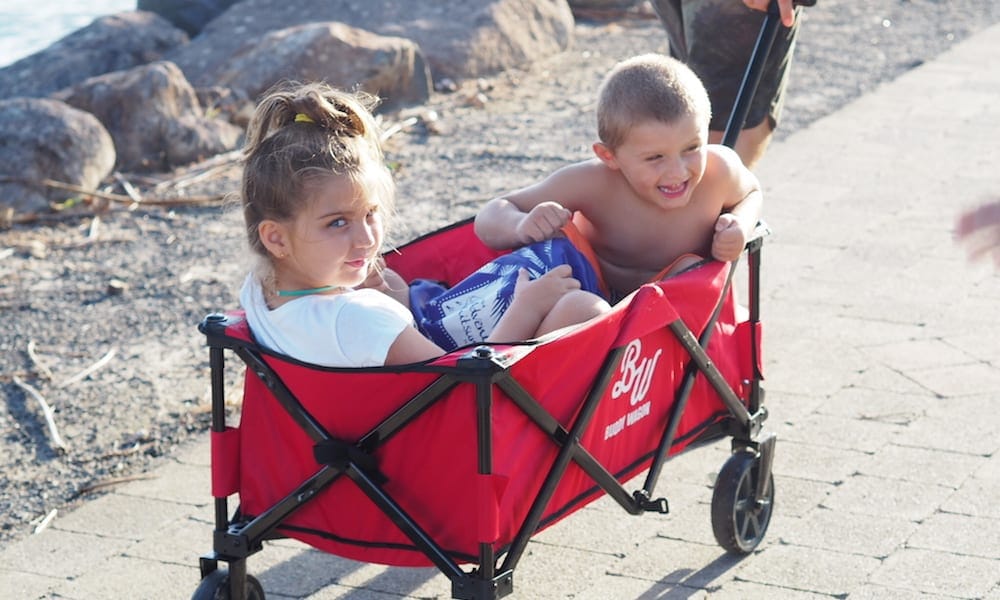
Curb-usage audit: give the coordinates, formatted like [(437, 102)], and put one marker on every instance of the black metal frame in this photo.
[(237, 539)]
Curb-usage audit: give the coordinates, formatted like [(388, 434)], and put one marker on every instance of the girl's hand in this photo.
[(729, 239), (542, 294), (542, 223)]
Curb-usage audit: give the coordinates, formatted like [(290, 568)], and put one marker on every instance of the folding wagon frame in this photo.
[(741, 503)]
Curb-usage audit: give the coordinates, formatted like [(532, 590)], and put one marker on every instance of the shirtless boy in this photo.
[(656, 191)]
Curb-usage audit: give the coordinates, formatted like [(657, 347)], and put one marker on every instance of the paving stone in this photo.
[(813, 462), (794, 497), (27, 586), (960, 380), (122, 517), (867, 535), (879, 592), (929, 465), (959, 534), (809, 569), (698, 566), (880, 497), (976, 497), (959, 430), (174, 482), (876, 405), (938, 573), (863, 435), (918, 354), (67, 553), (122, 577)]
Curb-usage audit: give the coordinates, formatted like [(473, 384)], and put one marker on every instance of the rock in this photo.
[(154, 117), (599, 4), (603, 10), (108, 44), (42, 138), (189, 15), (232, 105), (390, 67), (459, 38)]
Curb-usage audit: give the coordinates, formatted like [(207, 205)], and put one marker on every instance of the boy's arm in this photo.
[(531, 214), (741, 209), (500, 224)]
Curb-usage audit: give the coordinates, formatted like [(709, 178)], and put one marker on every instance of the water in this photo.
[(27, 27)]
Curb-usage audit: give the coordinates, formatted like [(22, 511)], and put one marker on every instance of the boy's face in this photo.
[(662, 162)]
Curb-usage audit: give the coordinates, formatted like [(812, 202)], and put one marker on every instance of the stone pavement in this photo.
[(883, 375)]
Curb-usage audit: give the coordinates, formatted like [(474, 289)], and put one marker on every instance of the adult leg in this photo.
[(751, 144)]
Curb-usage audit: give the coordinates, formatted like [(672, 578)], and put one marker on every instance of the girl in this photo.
[(315, 194)]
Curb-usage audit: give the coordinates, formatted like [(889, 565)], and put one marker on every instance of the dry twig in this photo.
[(119, 198), (45, 372), (47, 412), (45, 521), (129, 189), (110, 482), (92, 368)]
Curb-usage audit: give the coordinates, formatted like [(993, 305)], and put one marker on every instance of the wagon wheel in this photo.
[(216, 587), (738, 521)]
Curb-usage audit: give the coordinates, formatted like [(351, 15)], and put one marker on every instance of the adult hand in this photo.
[(979, 230), (543, 222), (784, 7)]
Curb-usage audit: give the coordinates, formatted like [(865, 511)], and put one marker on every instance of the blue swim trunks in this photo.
[(467, 312)]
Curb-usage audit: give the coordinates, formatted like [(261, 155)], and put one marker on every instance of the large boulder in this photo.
[(41, 138), (189, 15), (390, 67), (460, 38), (609, 5), (108, 44), (154, 117)]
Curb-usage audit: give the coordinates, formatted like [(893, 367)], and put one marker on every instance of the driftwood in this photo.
[(92, 368), (39, 365), (111, 482), (44, 522), (47, 412), (119, 198)]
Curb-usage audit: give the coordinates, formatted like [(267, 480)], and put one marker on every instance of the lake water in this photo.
[(29, 26)]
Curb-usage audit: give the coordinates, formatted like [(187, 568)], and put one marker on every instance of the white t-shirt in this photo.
[(353, 329)]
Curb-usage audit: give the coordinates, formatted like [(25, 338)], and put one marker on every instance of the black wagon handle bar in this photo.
[(754, 71)]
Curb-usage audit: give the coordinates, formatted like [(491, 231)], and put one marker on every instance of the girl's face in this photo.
[(663, 162), (333, 241)]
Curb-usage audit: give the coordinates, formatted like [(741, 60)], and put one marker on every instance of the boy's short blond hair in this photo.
[(649, 87)]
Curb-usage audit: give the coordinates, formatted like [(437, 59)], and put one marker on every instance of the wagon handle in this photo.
[(755, 69)]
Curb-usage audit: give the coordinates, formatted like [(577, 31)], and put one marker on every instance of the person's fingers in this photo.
[(785, 8), (787, 11), (725, 221)]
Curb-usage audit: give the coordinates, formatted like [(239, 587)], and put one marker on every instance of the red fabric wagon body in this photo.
[(460, 459)]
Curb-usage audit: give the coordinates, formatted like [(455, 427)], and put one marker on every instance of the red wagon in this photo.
[(460, 460)]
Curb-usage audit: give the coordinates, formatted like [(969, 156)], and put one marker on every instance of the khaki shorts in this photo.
[(716, 38)]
